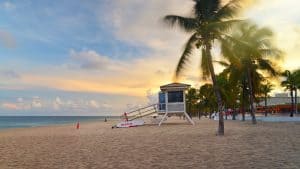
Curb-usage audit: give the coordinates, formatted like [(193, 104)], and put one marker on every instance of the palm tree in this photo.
[(208, 101), (265, 90), (291, 83), (191, 100), (209, 20), (297, 78), (248, 49), (237, 78), (229, 90)]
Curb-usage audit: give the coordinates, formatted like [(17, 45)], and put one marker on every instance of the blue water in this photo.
[(34, 121)]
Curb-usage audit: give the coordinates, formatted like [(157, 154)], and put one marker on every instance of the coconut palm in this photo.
[(229, 91), (206, 25), (265, 90), (248, 48), (208, 101), (291, 83), (297, 78), (191, 100), (237, 78)]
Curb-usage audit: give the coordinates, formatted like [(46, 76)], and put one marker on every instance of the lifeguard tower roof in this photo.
[(174, 86)]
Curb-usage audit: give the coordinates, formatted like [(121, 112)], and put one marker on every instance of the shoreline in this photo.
[(115, 120), (179, 144), (69, 123)]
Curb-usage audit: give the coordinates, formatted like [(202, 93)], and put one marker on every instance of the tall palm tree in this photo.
[(248, 48), (208, 100), (291, 83), (229, 91), (265, 90), (237, 78), (297, 78), (210, 18)]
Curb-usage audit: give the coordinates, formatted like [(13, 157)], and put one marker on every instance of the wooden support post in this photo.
[(161, 121), (189, 118)]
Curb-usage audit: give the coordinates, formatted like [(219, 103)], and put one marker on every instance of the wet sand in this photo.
[(173, 145)]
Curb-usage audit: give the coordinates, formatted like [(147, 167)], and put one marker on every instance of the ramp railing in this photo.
[(140, 112)]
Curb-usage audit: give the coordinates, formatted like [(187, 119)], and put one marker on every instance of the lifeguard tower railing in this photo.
[(159, 108), (177, 107), (141, 112)]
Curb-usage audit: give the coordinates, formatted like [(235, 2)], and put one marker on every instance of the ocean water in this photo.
[(34, 121)]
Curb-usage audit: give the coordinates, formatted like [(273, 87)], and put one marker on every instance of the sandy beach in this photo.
[(173, 145)]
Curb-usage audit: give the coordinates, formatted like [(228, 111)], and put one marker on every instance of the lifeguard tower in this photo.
[(172, 101)]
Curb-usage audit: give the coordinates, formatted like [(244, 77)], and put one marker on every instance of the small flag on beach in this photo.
[(77, 126)]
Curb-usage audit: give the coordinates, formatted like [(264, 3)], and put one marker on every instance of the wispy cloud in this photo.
[(115, 48), (7, 39), (282, 17), (8, 5), (10, 74), (90, 60)]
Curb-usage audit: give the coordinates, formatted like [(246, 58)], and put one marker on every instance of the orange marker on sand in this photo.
[(77, 126)]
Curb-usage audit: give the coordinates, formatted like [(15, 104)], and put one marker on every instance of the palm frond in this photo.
[(266, 65), (223, 63), (222, 26), (228, 11), (229, 52), (205, 9), (272, 52), (186, 24), (185, 56)]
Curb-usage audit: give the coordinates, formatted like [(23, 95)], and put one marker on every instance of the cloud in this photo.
[(8, 5), (285, 14), (10, 74), (7, 39), (106, 106), (90, 59), (57, 103), (77, 104), (152, 97), (10, 106), (20, 100), (140, 22), (93, 104), (20, 104), (134, 22), (36, 102)]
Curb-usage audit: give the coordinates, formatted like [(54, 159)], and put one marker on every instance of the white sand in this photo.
[(173, 145)]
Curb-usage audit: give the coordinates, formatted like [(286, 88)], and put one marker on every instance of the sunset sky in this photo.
[(77, 57)]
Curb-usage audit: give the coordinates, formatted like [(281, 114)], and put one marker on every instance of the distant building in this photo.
[(281, 103), (278, 99), (281, 95)]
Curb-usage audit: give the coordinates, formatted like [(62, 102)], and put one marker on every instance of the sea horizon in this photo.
[(7, 122)]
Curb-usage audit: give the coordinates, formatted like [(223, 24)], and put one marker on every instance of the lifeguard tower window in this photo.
[(175, 96), (162, 101)]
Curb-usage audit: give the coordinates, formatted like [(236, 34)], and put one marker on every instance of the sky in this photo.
[(101, 57)]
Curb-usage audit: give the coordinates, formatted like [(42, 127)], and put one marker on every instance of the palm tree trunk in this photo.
[(266, 105), (296, 101), (234, 113), (243, 100), (216, 88), (292, 102), (252, 111)]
